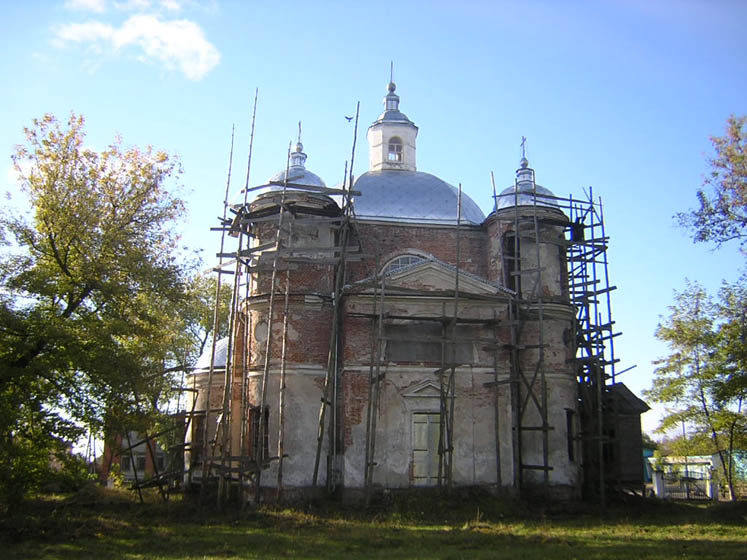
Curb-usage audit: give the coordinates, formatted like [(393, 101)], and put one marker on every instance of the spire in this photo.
[(391, 101), (525, 174), (298, 158)]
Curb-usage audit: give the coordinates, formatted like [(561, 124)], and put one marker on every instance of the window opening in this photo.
[(395, 149), (198, 440), (511, 262), (569, 430), (256, 452), (403, 261), (416, 342)]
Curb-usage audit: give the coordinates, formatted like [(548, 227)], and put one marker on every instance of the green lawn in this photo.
[(105, 524)]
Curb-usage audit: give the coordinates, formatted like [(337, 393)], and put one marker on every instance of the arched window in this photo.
[(401, 262), (395, 149)]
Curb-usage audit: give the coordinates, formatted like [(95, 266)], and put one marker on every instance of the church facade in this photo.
[(389, 335)]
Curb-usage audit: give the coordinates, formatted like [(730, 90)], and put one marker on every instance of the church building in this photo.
[(387, 334)]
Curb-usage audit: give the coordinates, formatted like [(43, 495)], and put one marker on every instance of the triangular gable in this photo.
[(424, 389), (434, 275)]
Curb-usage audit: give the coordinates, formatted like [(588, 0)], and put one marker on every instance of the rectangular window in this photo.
[(569, 414), (415, 343), (256, 452), (126, 464), (140, 462), (198, 441), (511, 261)]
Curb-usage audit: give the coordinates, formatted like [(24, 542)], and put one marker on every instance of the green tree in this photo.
[(692, 379), (199, 313), (90, 287), (722, 215), (649, 442)]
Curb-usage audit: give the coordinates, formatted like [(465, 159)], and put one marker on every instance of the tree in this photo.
[(90, 288), (200, 310), (649, 442), (695, 378), (722, 215)]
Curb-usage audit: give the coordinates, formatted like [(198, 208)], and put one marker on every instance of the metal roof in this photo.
[(411, 197), (221, 352), (508, 197), (393, 116), (297, 174)]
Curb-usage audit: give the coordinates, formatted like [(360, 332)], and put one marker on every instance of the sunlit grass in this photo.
[(113, 525)]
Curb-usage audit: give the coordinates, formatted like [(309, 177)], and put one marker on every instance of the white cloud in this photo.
[(171, 5), (132, 5), (97, 6), (85, 32), (179, 44)]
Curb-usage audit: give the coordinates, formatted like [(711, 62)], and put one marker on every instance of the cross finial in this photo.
[(523, 147), (391, 71), (299, 132)]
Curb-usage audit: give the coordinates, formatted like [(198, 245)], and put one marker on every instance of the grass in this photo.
[(108, 524)]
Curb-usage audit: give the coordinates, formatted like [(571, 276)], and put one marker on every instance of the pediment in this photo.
[(433, 275), (424, 389)]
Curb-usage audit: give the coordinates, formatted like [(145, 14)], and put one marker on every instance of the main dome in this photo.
[(412, 197)]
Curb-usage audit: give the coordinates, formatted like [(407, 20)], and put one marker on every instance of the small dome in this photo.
[(508, 198), (527, 192), (411, 196), (219, 362), (297, 174), (391, 108)]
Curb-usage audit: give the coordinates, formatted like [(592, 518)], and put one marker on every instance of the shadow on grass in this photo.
[(113, 525)]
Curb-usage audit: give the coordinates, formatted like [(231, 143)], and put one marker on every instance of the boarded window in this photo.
[(426, 431), (427, 342)]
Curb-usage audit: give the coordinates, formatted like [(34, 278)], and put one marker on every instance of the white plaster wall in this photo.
[(474, 428), (378, 141), (303, 394)]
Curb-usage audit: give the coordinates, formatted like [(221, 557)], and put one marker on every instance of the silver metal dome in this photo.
[(297, 174), (221, 352), (526, 190), (508, 198), (411, 196), (391, 108)]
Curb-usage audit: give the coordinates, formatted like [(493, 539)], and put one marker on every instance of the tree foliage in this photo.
[(722, 215), (200, 311), (702, 380), (92, 285)]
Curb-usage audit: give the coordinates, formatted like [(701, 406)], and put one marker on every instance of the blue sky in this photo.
[(619, 95)]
